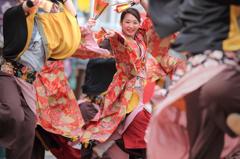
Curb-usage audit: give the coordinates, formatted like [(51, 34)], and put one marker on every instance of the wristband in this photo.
[(87, 26), (29, 4)]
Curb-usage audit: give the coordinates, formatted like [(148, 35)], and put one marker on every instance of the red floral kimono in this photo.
[(129, 65), (57, 108)]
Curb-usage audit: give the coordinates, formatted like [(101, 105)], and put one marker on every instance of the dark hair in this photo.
[(132, 11), (56, 1), (53, 1), (105, 44)]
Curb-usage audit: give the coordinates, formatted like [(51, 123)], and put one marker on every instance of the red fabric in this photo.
[(134, 135), (66, 151), (148, 91)]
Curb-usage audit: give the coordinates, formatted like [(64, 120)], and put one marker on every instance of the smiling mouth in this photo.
[(130, 31)]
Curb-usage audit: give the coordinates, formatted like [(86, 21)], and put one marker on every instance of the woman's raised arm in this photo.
[(69, 6), (144, 4)]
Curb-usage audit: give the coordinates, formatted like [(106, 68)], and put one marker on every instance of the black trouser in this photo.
[(88, 112), (133, 153)]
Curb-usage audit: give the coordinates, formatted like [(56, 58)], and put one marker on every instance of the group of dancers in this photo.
[(38, 109)]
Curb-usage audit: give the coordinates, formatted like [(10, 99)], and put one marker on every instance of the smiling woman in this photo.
[(130, 21), (122, 110)]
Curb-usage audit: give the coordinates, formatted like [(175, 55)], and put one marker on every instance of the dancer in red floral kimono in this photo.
[(29, 40), (123, 107), (191, 122), (57, 108)]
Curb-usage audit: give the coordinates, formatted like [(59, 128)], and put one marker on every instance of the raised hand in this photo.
[(36, 2), (136, 1), (55, 8), (92, 22)]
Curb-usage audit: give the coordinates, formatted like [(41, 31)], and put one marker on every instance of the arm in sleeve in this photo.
[(170, 64), (88, 47), (13, 13), (159, 50), (123, 55)]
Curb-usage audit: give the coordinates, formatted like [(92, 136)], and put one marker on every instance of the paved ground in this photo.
[(48, 155)]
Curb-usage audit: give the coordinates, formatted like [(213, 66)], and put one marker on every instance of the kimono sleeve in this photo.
[(158, 48), (123, 55), (88, 47), (170, 64), (148, 29)]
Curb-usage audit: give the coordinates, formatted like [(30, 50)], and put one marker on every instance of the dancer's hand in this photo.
[(55, 8), (92, 22), (107, 56), (110, 34), (136, 1), (36, 2)]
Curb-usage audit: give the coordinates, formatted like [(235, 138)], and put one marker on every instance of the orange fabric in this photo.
[(180, 104)]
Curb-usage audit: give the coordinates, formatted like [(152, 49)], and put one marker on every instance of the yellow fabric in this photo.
[(62, 33), (103, 93), (133, 102), (153, 106), (161, 82), (86, 143), (74, 138), (232, 42), (30, 23), (180, 104)]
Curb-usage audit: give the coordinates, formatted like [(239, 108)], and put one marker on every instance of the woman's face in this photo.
[(130, 25)]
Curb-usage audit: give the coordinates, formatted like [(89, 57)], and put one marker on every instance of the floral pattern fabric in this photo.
[(18, 70), (159, 50), (97, 99), (57, 108), (129, 64)]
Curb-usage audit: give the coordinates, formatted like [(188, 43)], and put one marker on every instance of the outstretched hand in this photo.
[(110, 34)]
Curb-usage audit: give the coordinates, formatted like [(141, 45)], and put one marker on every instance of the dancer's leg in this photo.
[(17, 121)]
